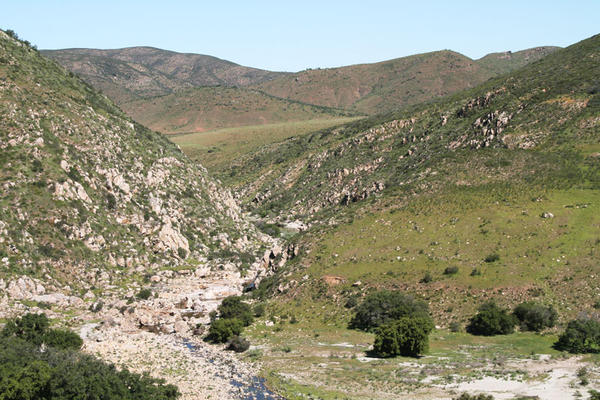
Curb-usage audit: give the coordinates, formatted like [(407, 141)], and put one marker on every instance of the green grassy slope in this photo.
[(209, 108), (446, 184), (505, 62), (397, 197), (216, 149)]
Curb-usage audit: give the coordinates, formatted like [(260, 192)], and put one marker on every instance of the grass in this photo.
[(208, 108), (215, 149), (328, 361), (394, 248)]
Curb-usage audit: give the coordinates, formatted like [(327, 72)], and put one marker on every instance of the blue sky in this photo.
[(291, 36)]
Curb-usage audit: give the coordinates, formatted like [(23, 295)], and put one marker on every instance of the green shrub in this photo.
[(533, 316), (351, 302), (594, 395), (221, 330), (492, 320), (385, 306), (580, 336), (144, 294), (234, 307), (238, 344), (490, 258), (26, 373), (451, 270), (35, 329), (408, 336), (466, 396), (29, 327), (259, 310), (455, 327), (427, 278)]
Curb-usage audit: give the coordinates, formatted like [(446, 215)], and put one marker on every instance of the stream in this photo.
[(250, 388)]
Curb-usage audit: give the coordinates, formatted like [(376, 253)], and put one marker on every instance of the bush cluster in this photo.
[(58, 371), (386, 306), (401, 323), (581, 336), (35, 329), (533, 316), (492, 320), (408, 336), (233, 316)]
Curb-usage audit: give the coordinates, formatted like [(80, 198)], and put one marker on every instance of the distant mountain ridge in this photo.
[(145, 78), (392, 84), (134, 72)]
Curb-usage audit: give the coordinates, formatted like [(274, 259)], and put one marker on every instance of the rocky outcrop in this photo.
[(89, 189)]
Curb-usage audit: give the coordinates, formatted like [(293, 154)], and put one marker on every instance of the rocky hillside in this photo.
[(88, 195), (139, 72), (209, 108), (390, 85), (508, 61), (547, 104), (488, 194)]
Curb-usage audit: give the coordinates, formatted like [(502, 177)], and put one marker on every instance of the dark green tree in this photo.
[(234, 307), (221, 330), (408, 336), (492, 320), (385, 306), (580, 336), (533, 316)]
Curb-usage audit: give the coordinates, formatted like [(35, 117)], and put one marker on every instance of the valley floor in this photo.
[(331, 362)]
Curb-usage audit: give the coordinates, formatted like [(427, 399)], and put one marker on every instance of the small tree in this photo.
[(35, 329), (581, 336), (385, 306), (234, 307), (221, 330), (408, 336), (238, 344), (491, 320), (534, 316)]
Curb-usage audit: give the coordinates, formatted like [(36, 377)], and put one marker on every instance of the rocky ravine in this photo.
[(94, 207)]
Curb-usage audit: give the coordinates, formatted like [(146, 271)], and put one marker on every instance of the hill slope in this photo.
[(446, 184), (490, 194), (508, 61), (390, 85), (209, 108), (139, 72), (88, 195)]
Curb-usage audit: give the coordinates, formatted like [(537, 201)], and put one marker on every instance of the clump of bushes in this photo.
[(221, 330), (227, 324), (492, 320), (451, 270), (144, 294), (59, 371), (533, 316), (490, 258), (581, 336), (386, 306), (427, 278), (407, 336), (234, 307), (35, 329), (238, 344), (466, 396)]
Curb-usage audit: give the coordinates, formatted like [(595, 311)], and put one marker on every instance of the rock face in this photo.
[(86, 194)]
